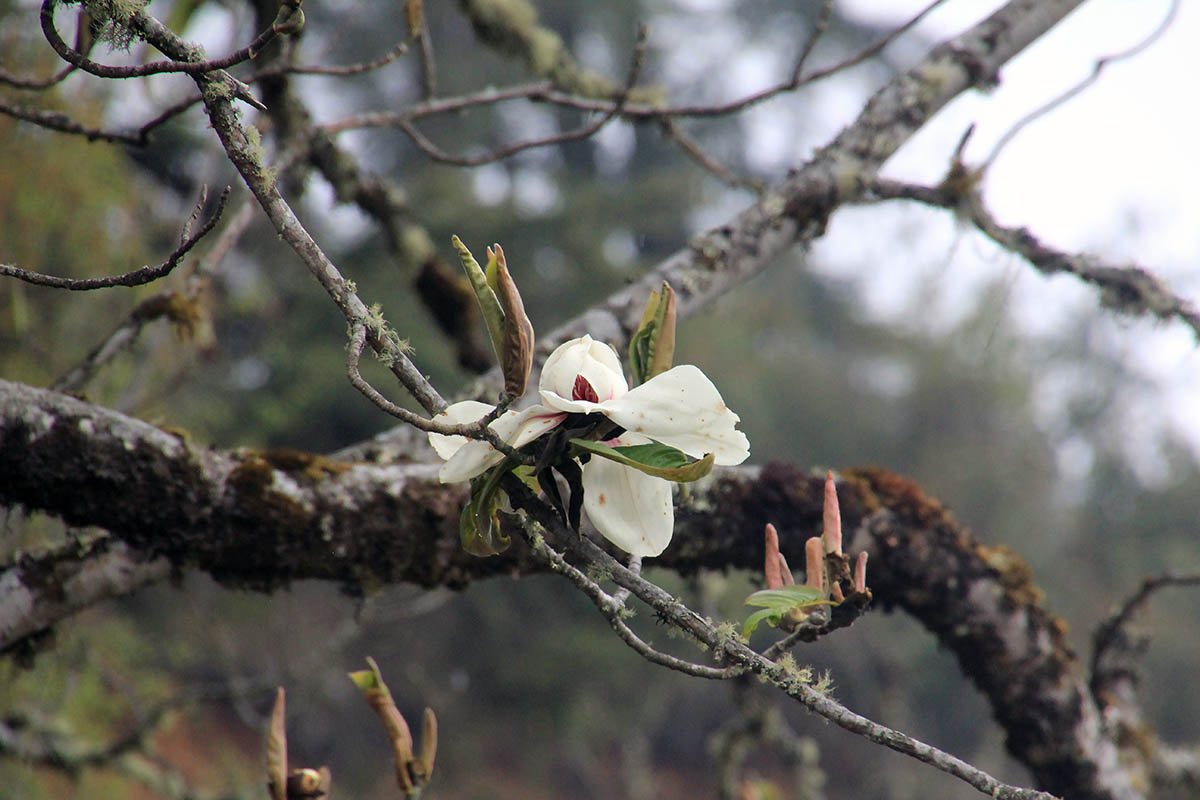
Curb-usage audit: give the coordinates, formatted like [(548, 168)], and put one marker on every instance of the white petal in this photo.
[(466, 411), (472, 459), (517, 428), (596, 362), (564, 404), (683, 409), (631, 509)]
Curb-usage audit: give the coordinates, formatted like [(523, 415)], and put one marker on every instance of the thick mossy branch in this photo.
[(261, 519)]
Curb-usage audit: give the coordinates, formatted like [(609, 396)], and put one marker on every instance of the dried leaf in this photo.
[(516, 346)]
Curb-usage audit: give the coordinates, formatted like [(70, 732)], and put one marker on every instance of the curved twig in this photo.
[(1131, 290), (573, 135), (285, 23), (1078, 88), (137, 277), (737, 654)]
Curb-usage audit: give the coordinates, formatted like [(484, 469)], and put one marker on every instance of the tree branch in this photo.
[(137, 277), (261, 519), (1130, 290)]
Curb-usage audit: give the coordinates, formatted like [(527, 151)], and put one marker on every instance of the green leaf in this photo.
[(652, 346), (493, 314), (777, 603), (654, 459), (752, 621), (787, 597), (368, 680), (479, 525)]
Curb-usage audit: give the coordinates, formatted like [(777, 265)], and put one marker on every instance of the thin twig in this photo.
[(35, 84), (336, 71), (473, 430), (734, 651), (1131, 290), (428, 63), (573, 135), (219, 93), (871, 50), (1078, 88), (283, 24), (163, 304), (612, 610), (1110, 634), (675, 132), (544, 91), (137, 277), (820, 25), (58, 121)]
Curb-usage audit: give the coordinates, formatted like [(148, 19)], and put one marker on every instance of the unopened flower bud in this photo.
[(516, 345), (582, 370)]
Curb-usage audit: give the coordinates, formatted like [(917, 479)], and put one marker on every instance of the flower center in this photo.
[(584, 391)]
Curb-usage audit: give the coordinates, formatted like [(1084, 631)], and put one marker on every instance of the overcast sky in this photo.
[(1112, 172)]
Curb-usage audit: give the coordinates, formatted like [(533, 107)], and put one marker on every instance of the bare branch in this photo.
[(732, 650), (257, 519), (179, 308), (83, 44), (1130, 290), (675, 132), (613, 609), (870, 51), (1078, 88), (288, 22), (36, 592), (573, 135), (247, 158), (794, 212), (58, 121), (1113, 647), (820, 25), (35, 84), (419, 29), (137, 277), (338, 71)]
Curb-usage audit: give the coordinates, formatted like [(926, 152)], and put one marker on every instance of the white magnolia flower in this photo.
[(679, 408)]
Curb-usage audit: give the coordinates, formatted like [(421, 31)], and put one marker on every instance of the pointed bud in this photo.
[(814, 564), (414, 11), (429, 741), (860, 573), (771, 570), (370, 683), (277, 750), (832, 533), (788, 580), (652, 348), (516, 346), (489, 304)]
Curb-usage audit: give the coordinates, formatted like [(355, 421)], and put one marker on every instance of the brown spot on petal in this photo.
[(601, 500)]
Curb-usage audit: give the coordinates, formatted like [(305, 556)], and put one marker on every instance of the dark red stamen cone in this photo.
[(584, 391)]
